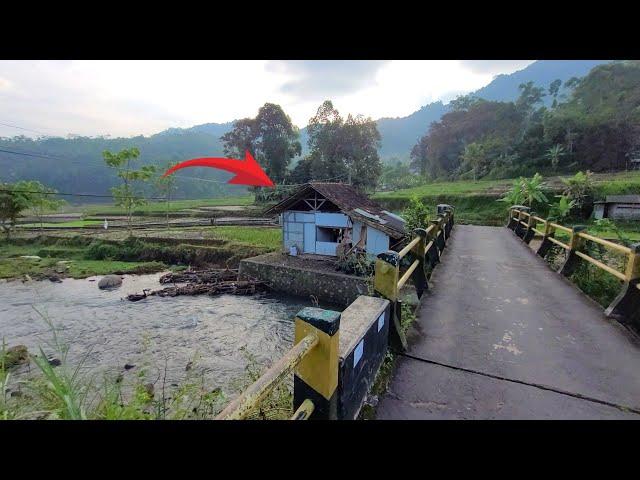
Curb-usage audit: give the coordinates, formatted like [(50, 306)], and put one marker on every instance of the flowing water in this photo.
[(109, 332)]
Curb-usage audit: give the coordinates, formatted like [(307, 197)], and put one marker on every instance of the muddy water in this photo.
[(111, 332)]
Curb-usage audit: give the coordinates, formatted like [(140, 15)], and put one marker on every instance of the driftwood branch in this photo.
[(202, 282)]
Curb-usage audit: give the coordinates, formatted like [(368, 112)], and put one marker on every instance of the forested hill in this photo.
[(75, 164), (402, 133)]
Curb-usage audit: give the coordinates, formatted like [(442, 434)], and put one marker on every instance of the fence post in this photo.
[(575, 243), (419, 276), (511, 223), (433, 253), (626, 306), (530, 233), (519, 229), (316, 377), (546, 244), (440, 234), (385, 284), (446, 211)]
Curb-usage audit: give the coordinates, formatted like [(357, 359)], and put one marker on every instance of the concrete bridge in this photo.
[(498, 334)]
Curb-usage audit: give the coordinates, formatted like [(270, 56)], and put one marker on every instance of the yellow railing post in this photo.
[(385, 284), (418, 275), (432, 251), (626, 306), (546, 244), (316, 377), (575, 244), (531, 224)]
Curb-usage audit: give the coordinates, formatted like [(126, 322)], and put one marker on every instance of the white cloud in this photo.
[(125, 98), (494, 67)]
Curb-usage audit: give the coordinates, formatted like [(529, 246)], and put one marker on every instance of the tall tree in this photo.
[(128, 194), (41, 198), (166, 186), (13, 200), (341, 149), (271, 138)]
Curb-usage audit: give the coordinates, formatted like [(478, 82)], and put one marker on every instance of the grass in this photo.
[(270, 238), (159, 207), (78, 266), (99, 255), (476, 201), (66, 392), (69, 224)]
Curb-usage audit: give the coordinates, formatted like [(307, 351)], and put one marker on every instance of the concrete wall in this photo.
[(335, 288), (624, 211), (364, 333)]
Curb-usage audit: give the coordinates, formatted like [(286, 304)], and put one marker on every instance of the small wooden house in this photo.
[(319, 217), (618, 207)]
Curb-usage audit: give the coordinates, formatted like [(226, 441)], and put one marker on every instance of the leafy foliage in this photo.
[(562, 208), (579, 187), (345, 150), (416, 214), (13, 200), (127, 195), (270, 137), (597, 127), (533, 190), (41, 198)]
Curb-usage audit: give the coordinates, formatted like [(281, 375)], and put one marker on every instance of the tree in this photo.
[(127, 195), (530, 96), (342, 149), (41, 199), (533, 190), (579, 188), (416, 214), (554, 154), (271, 137), (166, 186), (513, 196), (554, 89), (13, 200)]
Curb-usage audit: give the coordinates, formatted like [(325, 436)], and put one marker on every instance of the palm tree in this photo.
[(554, 154)]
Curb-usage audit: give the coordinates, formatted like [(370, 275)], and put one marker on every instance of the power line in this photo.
[(23, 128), (81, 194)]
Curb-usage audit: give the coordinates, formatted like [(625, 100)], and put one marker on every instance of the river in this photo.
[(103, 331)]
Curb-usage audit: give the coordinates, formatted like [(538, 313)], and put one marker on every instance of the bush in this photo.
[(416, 214), (356, 263), (103, 251)]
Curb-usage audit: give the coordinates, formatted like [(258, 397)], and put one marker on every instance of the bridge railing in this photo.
[(336, 356), (422, 253), (626, 306)]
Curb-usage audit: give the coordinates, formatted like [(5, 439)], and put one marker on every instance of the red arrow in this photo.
[(248, 170)]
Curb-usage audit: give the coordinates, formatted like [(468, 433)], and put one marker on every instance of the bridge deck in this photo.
[(497, 309)]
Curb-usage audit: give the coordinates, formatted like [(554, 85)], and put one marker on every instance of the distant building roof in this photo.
[(352, 202), (621, 199)]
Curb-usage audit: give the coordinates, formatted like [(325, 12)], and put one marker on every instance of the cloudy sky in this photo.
[(126, 98)]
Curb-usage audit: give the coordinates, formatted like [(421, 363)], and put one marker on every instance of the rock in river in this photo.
[(109, 281), (15, 356)]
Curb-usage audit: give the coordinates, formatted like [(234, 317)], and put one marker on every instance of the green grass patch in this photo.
[(78, 261), (269, 238), (476, 201), (69, 224), (160, 207)]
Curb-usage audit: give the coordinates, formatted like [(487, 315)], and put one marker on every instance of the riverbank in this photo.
[(78, 255), (173, 357)]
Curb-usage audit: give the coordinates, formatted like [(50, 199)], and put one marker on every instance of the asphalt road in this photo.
[(521, 335)]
